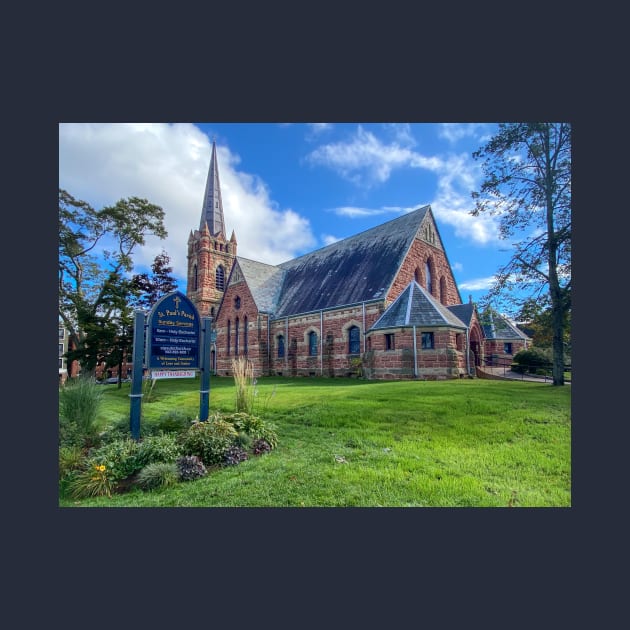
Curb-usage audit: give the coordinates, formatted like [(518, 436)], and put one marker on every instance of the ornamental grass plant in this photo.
[(245, 383), (79, 404)]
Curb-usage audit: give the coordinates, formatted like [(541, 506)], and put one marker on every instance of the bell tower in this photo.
[(210, 254)]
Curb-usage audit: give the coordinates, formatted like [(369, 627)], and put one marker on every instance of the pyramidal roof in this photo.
[(496, 326), (416, 307), (212, 210)]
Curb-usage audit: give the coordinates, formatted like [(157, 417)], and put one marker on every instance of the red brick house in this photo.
[(383, 302)]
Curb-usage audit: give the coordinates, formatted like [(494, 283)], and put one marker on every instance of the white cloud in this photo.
[(329, 239), (318, 128), (168, 164), (401, 133), (452, 204), (478, 284), (454, 132), (457, 266), (365, 160), (352, 212)]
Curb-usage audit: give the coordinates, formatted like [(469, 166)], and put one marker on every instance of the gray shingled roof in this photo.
[(416, 307), (496, 326), (264, 282), (463, 312), (357, 269)]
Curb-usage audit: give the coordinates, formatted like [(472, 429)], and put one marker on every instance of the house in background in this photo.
[(66, 370)]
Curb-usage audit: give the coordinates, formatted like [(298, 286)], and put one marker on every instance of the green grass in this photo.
[(347, 442)]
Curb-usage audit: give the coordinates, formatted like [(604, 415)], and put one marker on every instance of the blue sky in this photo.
[(289, 188)]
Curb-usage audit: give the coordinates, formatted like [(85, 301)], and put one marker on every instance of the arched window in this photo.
[(236, 337), (354, 340), (312, 343), (195, 278), (220, 282), (229, 336), (280, 346), (427, 271), (245, 335), (416, 276)]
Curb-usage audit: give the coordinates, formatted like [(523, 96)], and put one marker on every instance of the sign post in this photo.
[(204, 392), (171, 349), (136, 375)]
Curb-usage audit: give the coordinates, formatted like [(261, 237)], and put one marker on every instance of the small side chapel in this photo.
[(382, 303)]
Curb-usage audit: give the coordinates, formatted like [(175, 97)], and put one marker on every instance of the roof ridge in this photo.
[(357, 235)]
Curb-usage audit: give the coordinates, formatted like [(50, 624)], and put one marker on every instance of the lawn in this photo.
[(348, 442)]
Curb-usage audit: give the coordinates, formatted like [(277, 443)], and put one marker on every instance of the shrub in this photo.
[(173, 422), (255, 427), (209, 440), (234, 455), (119, 457), (79, 402), (190, 467), (530, 360), (158, 448), (260, 446), (94, 481), (119, 430), (158, 475)]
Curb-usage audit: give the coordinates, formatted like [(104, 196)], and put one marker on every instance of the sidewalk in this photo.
[(501, 373)]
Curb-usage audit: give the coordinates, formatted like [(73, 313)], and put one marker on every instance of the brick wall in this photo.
[(444, 288), (494, 349), (446, 360), (332, 358), (207, 252)]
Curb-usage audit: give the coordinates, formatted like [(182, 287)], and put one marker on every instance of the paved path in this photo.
[(503, 373)]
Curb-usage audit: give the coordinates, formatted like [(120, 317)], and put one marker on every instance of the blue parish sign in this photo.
[(173, 334)]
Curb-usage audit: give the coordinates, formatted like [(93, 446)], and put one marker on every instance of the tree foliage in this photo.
[(150, 288), (527, 184), (95, 254)]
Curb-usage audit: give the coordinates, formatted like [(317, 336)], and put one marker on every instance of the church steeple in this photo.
[(212, 211), (210, 255)]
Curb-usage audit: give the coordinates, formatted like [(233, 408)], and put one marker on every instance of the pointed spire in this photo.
[(212, 211)]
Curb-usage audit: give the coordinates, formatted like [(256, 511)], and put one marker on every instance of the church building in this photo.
[(382, 304)]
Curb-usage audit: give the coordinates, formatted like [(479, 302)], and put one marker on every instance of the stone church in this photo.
[(383, 304)]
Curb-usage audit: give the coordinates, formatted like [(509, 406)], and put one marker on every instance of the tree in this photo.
[(536, 315), (527, 170), (151, 289), (95, 251)]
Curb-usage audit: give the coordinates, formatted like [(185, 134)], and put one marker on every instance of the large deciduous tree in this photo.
[(95, 253), (527, 184)]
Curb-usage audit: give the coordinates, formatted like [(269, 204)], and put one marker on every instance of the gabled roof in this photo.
[(496, 326), (416, 307), (264, 282), (357, 269)]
